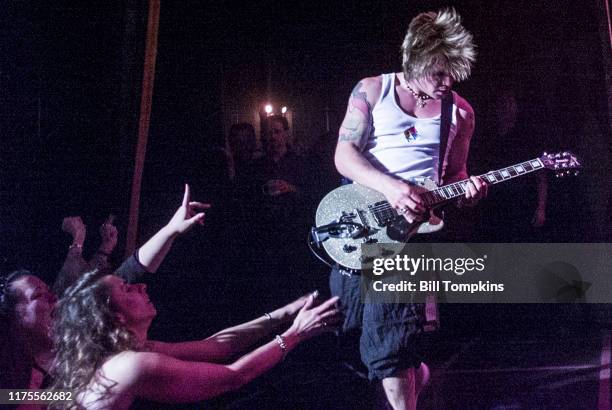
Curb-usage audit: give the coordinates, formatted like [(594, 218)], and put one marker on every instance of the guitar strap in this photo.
[(445, 123), (430, 315)]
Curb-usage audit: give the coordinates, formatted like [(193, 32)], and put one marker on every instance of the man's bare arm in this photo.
[(350, 161), (353, 135), (466, 121)]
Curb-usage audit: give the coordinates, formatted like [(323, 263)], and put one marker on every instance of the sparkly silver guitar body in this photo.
[(364, 216), (352, 214)]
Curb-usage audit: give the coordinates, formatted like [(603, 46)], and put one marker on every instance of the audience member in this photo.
[(105, 358), (281, 169), (242, 149), (74, 264), (27, 304)]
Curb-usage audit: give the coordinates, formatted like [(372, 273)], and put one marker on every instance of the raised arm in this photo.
[(74, 264), (108, 236), (153, 252), (226, 344)]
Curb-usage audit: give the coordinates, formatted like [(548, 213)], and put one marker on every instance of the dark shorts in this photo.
[(386, 334)]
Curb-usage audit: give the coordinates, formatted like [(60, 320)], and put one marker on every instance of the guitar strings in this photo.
[(458, 188)]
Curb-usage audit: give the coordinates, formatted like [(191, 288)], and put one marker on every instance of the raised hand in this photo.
[(289, 311), (74, 226), (186, 217), (108, 233)]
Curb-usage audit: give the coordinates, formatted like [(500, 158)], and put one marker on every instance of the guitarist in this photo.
[(391, 134)]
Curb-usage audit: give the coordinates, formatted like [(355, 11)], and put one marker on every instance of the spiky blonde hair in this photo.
[(438, 38)]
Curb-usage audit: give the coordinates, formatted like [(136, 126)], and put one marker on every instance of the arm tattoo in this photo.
[(353, 126), (359, 101)]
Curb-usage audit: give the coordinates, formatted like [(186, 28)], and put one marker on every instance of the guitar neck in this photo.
[(457, 189)]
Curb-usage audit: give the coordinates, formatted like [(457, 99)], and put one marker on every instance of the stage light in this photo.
[(284, 110), (268, 109)]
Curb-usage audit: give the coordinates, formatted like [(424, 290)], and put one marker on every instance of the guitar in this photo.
[(352, 214)]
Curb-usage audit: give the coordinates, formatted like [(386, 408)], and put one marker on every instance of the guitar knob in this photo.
[(349, 248)]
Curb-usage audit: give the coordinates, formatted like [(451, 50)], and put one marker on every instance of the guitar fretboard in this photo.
[(457, 189)]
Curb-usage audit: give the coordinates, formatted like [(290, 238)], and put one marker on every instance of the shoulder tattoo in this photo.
[(359, 100)]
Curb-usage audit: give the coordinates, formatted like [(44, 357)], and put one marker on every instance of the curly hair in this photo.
[(438, 38), (86, 332)]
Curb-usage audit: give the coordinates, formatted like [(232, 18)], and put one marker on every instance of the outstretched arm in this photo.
[(162, 378), (222, 346), (74, 264)]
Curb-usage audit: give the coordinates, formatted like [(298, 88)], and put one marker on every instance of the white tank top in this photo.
[(400, 144)]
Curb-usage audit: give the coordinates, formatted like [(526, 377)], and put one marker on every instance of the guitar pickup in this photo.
[(383, 214)]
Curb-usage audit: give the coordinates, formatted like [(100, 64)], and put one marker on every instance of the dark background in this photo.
[(70, 80)]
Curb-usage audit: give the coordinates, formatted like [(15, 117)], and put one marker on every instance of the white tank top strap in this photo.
[(400, 144), (388, 82)]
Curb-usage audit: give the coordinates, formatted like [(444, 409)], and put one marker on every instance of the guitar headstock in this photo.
[(562, 163)]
